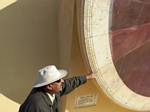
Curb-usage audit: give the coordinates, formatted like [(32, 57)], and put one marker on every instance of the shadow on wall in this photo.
[(28, 41)]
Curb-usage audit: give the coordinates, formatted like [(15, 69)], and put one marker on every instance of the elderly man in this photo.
[(49, 87)]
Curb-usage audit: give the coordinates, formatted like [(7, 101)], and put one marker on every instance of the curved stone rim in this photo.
[(94, 36)]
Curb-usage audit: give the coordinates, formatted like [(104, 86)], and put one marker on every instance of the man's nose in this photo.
[(62, 81)]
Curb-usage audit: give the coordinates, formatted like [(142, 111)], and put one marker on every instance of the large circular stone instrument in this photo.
[(115, 38)]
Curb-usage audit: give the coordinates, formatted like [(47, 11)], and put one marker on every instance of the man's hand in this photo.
[(90, 76)]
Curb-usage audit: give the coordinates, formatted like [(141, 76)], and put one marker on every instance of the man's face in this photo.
[(57, 86)]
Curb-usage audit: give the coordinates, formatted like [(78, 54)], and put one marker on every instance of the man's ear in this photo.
[(49, 86)]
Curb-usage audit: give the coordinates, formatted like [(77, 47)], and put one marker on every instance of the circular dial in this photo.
[(114, 35), (130, 43)]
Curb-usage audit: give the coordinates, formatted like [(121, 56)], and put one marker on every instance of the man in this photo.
[(49, 87)]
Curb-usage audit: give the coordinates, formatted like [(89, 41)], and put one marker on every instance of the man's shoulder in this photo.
[(37, 97)]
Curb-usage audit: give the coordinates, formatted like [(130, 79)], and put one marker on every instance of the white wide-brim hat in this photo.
[(49, 74)]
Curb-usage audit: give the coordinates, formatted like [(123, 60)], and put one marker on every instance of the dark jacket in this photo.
[(39, 101)]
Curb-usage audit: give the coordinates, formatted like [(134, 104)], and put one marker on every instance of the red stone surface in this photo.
[(130, 43), (127, 13)]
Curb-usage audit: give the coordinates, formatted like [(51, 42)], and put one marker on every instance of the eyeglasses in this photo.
[(57, 81)]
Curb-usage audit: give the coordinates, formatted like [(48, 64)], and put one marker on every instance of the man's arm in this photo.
[(74, 82)]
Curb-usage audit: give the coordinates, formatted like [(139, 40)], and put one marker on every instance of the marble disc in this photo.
[(115, 36)]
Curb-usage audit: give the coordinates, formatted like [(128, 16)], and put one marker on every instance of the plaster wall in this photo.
[(28, 41)]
